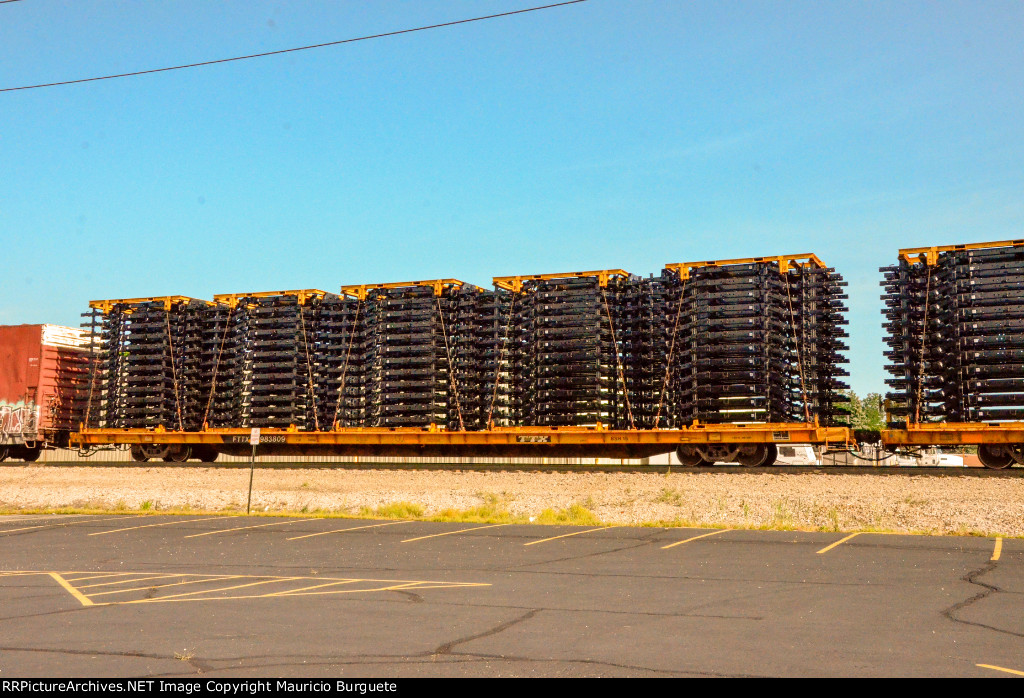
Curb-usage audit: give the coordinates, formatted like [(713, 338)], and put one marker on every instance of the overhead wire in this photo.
[(292, 50)]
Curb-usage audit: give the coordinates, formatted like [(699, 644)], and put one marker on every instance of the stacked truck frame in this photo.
[(716, 361)]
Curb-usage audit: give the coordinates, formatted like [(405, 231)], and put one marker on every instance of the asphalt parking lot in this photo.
[(163, 596)]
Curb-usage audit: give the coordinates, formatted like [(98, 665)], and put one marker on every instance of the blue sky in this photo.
[(607, 134)]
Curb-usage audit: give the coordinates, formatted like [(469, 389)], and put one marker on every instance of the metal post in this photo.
[(252, 469), (254, 440)]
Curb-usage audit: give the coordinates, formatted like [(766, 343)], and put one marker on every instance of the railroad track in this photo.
[(901, 471)]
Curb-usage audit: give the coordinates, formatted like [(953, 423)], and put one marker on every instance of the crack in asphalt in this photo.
[(42, 615), (640, 543), (199, 665), (415, 598), (599, 662), (446, 648), (972, 577), (443, 652), (252, 662), (91, 653)]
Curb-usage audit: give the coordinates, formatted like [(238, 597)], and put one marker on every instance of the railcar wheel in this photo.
[(1017, 453), (30, 455), (3, 453), (757, 455), (158, 451), (137, 454), (689, 456), (995, 456), (178, 454)]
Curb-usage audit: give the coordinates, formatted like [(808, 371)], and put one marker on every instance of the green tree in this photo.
[(873, 414), (866, 413)]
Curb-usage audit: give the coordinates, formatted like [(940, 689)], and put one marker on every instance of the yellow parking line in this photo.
[(98, 576), (999, 668), (82, 598), (566, 535), (165, 523), (69, 523), (170, 584), (997, 552), (139, 578), (215, 591), (43, 517), (315, 586), (343, 530), (703, 535), (839, 542), (241, 528), (29, 528), (452, 533), (394, 587)]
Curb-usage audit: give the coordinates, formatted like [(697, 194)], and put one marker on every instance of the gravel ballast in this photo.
[(924, 503)]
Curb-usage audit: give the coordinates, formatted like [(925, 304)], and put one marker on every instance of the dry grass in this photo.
[(911, 503)]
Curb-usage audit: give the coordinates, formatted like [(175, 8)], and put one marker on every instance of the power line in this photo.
[(290, 50)]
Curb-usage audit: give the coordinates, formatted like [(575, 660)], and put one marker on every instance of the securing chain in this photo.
[(501, 356), (174, 370), (618, 360), (344, 367), (309, 368), (924, 340), (451, 368), (797, 342), (93, 363), (216, 365), (671, 354)]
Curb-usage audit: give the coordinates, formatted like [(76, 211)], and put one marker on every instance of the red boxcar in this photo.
[(44, 377)]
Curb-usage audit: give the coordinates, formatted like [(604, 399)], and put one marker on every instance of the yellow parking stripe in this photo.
[(343, 530), (316, 586), (242, 528), (452, 533), (98, 576), (997, 552), (207, 591), (394, 587), (566, 535), (999, 668), (703, 535), (51, 518), (165, 523), (82, 598), (138, 578), (69, 523), (169, 584), (320, 586), (838, 542)]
